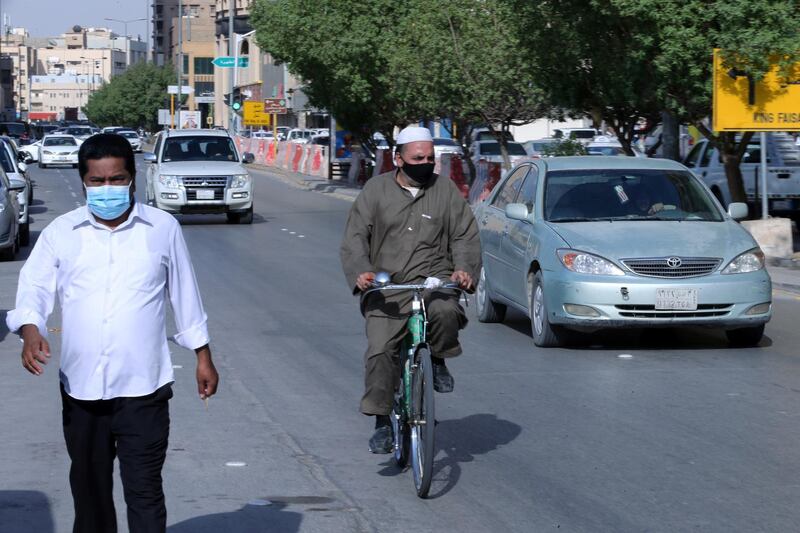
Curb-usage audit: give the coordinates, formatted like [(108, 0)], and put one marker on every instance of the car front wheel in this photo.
[(544, 334)]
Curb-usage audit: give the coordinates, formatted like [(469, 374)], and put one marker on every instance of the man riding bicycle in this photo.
[(413, 225)]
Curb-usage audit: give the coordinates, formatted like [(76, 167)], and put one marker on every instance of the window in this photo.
[(185, 64), (509, 190), (199, 148), (203, 65), (203, 87), (527, 195)]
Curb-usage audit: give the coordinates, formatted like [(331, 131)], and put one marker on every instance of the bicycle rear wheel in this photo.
[(422, 422)]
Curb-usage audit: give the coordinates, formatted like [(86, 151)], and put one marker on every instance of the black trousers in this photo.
[(135, 430)]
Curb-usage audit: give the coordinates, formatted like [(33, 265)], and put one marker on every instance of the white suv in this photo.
[(199, 171)]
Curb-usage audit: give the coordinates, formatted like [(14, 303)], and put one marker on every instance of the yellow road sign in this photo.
[(254, 114), (743, 104)]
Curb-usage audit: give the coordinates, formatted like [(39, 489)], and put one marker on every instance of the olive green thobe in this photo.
[(411, 238)]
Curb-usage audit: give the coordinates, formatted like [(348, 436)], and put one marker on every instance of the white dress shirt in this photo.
[(112, 286)]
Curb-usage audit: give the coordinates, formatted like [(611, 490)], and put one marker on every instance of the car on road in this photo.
[(537, 147), (59, 150), (299, 136), (262, 135), (133, 138), (443, 145), (31, 151), (589, 243), (9, 218), (490, 151), (21, 132), (16, 172), (79, 132), (199, 171), (609, 146), (582, 135)]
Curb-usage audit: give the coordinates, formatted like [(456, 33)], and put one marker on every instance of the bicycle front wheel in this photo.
[(422, 422)]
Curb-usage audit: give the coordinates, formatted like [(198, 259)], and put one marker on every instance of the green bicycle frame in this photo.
[(415, 336)]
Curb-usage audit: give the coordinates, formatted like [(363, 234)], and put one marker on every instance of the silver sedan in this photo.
[(586, 243)]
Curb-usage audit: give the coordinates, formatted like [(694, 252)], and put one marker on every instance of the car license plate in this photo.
[(205, 194), (676, 299)]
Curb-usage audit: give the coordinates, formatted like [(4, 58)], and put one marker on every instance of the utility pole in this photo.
[(180, 57), (231, 45)]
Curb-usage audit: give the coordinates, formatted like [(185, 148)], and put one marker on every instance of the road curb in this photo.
[(327, 187)]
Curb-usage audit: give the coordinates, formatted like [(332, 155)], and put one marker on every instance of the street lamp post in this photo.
[(127, 40)]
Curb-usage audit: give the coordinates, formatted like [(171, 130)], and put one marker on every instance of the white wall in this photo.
[(544, 128)]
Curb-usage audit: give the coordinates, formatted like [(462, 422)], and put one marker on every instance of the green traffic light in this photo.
[(236, 106)]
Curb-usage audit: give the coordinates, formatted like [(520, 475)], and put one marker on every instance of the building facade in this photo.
[(15, 45)]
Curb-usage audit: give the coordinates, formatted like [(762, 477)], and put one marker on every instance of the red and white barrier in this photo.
[(452, 166), (383, 162), (487, 176)]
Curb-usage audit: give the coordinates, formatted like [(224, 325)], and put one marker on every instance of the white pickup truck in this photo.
[(783, 172)]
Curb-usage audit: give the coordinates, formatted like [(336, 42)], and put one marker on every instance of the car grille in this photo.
[(650, 311), (215, 183), (668, 267)]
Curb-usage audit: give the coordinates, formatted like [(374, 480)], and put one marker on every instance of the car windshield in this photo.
[(199, 148), (129, 134), (605, 150), (79, 131), (12, 128), (444, 142), (60, 141), (540, 147), (582, 134), (494, 149), (597, 194)]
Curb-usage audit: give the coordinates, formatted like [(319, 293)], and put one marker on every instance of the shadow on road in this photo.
[(248, 519), (459, 441), (25, 511)]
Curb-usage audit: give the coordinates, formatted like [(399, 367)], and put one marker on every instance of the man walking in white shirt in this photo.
[(113, 265)]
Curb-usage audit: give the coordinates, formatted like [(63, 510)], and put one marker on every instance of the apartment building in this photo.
[(15, 46)]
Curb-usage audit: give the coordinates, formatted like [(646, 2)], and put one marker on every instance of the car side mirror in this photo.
[(21, 157), (738, 210), (22, 167), (149, 157), (248, 158), (519, 212), (28, 160)]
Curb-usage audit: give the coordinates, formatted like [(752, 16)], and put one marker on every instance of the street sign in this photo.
[(189, 119), (254, 114), (164, 117), (275, 105), (741, 103), (203, 99), (185, 89), (230, 62)]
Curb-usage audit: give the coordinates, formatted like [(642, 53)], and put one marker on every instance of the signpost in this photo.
[(185, 89), (254, 114), (230, 62), (164, 117), (740, 103)]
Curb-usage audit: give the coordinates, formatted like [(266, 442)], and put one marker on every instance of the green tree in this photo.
[(748, 32), (133, 98)]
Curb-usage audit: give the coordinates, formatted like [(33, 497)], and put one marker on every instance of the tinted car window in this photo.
[(494, 149), (199, 148), (527, 195), (694, 155), (14, 129), (444, 142), (5, 159), (79, 131), (587, 195), (510, 188), (60, 141), (129, 134)]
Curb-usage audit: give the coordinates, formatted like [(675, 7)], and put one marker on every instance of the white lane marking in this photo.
[(625, 356), (259, 503), (177, 366), (236, 463), (282, 229), (299, 236), (291, 232), (73, 192)]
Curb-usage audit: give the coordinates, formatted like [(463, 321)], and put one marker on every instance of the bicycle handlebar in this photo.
[(414, 287)]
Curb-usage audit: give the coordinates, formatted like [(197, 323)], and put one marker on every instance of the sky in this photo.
[(48, 18)]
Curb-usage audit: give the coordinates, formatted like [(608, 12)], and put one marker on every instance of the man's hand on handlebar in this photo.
[(364, 281), (463, 279)]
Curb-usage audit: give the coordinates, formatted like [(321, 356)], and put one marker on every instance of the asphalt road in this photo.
[(686, 434)]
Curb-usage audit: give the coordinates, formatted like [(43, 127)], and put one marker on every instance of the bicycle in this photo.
[(413, 415)]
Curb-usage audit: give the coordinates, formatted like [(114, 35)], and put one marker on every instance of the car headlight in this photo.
[(239, 181), (170, 182), (583, 263), (750, 261), (48, 152), (74, 153)]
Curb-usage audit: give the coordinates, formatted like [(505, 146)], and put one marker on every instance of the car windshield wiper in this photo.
[(585, 219)]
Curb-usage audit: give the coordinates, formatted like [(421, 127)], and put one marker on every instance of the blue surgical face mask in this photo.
[(108, 201)]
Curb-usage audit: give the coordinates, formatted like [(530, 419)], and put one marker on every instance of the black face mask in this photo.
[(420, 174)]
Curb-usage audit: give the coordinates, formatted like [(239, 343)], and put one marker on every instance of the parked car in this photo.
[(582, 135), (490, 151), (20, 132), (133, 138), (31, 151), (283, 131), (9, 218), (297, 135), (608, 146), (262, 134), (199, 171), (537, 147), (113, 129), (442, 145), (588, 243), (485, 134), (79, 132), (59, 150), (322, 140), (16, 173), (783, 172)]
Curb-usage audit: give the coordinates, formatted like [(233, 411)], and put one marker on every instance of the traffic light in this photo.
[(236, 99)]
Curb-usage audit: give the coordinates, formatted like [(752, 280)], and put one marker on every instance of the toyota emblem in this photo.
[(674, 262)]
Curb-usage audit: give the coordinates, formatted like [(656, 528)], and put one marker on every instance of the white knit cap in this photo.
[(412, 134)]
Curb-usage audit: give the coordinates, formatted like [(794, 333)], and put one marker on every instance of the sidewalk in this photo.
[(337, 188)]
